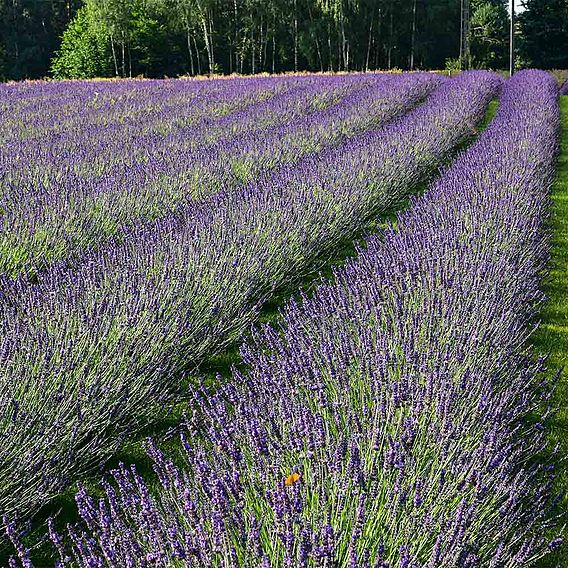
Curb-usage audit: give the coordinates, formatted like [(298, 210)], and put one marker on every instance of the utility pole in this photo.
[(464, 35), (512, 41)]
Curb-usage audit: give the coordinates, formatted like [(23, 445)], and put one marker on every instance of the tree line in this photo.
[(157, 38)]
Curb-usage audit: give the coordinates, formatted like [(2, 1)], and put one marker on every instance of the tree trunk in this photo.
[(389, 57), (370, 39), (318, 49), (369, 42), (207, 26), (198, 58), (512, 41), (114, 56), (295, 36), (265, 56), (236, 34), (252, 50), (330, 68), (320, 58), (190, 52), (122, 48), (413, 35), (377, 40), (340, 59), (15, 35), (261, 45), (207, 46), (242, 53), (274, 47), (344, 46)]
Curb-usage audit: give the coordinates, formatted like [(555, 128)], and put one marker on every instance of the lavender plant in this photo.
[(153, 174), (88, 356), (384, 422), (40, 186), (39, 110)]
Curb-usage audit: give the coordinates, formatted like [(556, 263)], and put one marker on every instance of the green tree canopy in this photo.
[(544, 33), (172, 37), (489, 34), (83, 52)]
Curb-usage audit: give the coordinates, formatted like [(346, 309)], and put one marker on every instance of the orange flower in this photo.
[(292, 478)]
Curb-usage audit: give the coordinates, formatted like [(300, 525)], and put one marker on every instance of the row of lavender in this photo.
[(88, 356), (53, 131), (92, 137), (70, 140), (384, 423), (63, 114), (96, 181)]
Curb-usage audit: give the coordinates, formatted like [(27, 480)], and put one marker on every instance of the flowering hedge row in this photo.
[(66, 191), (385, 422), (88, 356)]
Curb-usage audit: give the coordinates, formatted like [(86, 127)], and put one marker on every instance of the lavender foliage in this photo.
[(89, 356), (96, 180), (384, 422)]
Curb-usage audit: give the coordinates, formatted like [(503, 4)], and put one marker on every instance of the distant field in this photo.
[(316, 294)]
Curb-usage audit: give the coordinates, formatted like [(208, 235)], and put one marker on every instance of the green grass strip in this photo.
[(552, 335)]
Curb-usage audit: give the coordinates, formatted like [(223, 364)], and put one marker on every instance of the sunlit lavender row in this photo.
[(392, 419), (98, 145), (89, 355), (57, 111), (96, 181)]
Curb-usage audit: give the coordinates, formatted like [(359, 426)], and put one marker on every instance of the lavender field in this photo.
[(389, 412)]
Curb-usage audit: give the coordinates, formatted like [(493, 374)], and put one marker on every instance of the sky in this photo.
[(518, 6)]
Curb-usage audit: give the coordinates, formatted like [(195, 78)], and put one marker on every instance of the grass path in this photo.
[(552, 336)]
